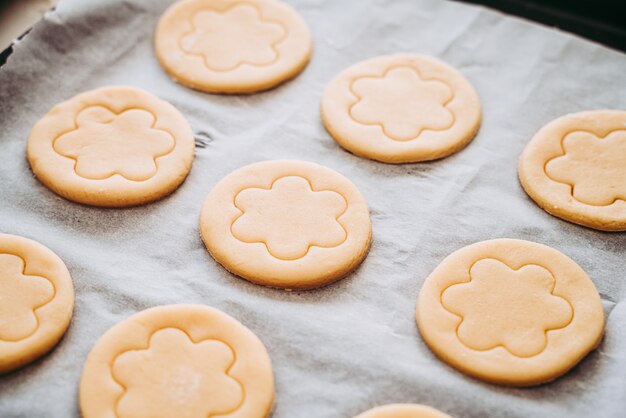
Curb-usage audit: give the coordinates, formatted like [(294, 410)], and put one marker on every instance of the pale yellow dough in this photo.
[(187, 361), (511, 312), (575, 169), (287, 224), (232, 46), (36, 301), (401, 108), (113, 146), (403, 411)]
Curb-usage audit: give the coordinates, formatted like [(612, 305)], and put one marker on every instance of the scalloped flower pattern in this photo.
[(290, 217), (402, 103), (229, 39), (20, 296), (106, 143), (593, 166), (502, 307), (175, 377)]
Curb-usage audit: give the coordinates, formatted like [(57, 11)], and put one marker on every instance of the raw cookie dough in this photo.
[(177, 361), (113, 146), (575, 169), (403, 411), (511, 312), (287, 224), (232, 46), (36, 301), (401, 108)]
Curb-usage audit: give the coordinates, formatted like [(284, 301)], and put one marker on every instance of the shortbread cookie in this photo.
[(403, 411), (575, 168), (36, 301), (287, 224), (178, 361), (232, 46), (511, 312), (401, 109), (114, 146)]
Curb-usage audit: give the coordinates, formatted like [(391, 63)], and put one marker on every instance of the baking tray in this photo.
[(347, 347)]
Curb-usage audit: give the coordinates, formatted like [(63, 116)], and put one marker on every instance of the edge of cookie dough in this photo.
[(105, 198), (100, 347), (320, 282), (310, 282), (20, 360), (415, 410), (393, 157), (562, 212), (546, 377), (231, 87)]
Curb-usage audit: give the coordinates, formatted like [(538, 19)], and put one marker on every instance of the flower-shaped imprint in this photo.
[(255, 38), (594, 167), (105, 143), (500, 306), (20, 297), (176, 377), (290, 217), (402, 103)]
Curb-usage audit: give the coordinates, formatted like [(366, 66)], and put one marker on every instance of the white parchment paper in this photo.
[(353, 345)]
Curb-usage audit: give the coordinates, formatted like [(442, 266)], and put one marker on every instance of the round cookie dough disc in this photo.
[(286, 224), (232, 46), (113, 146), (403, 411), (401, 108), (178, 360), (575, 169), (36, 301), (511, 312)]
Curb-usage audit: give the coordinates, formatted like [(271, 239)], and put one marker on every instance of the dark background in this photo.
[(602, 21)]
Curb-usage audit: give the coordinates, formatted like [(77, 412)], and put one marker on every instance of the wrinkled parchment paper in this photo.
[(353, 345)]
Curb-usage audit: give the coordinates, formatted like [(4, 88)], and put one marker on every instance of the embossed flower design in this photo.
[(175, 377), (239, 35), (105, 143), (402, 103), (20, 295), (290, 217), (593, 166), (500, 306)]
